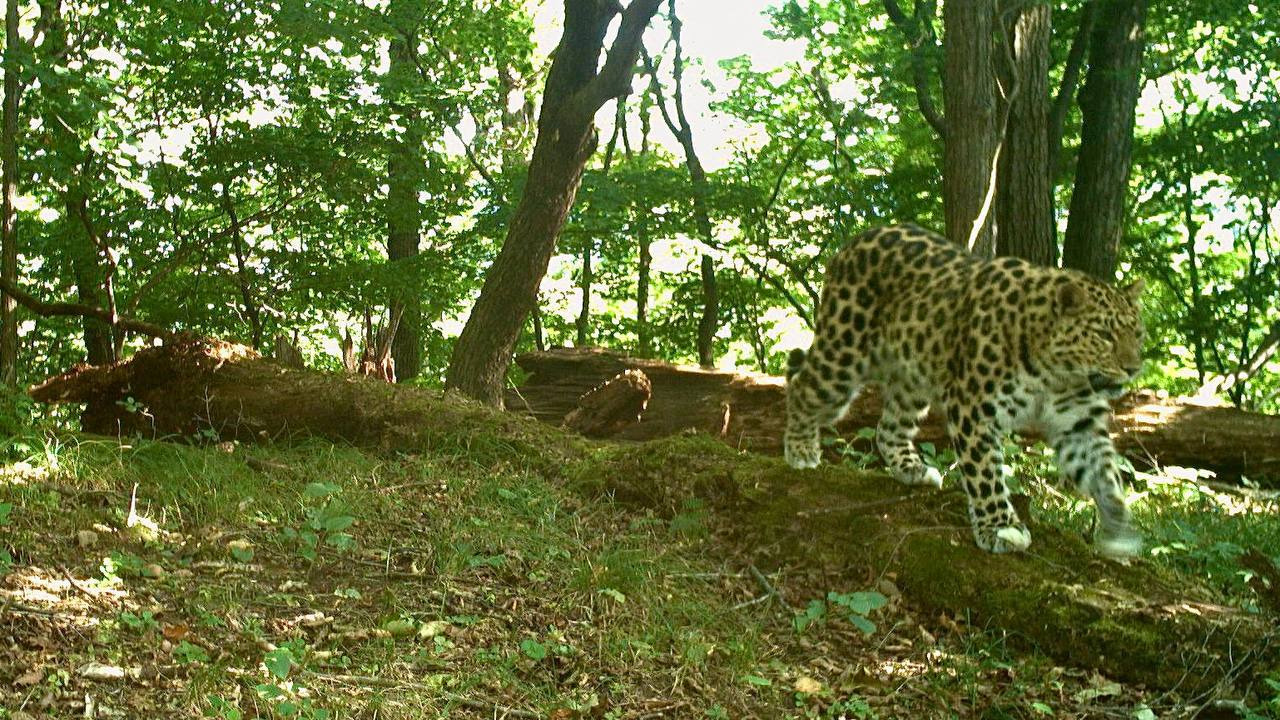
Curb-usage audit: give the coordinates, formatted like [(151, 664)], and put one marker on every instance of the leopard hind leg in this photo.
[(895, 435)]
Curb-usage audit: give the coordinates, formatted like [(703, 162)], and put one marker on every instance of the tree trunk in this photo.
[(710, 321), (588, 277), (1129, 623), (644, 338), (8, 226), (403, 211), (1107, 104), (575, 90), (1024, 197), (969, 101), (99, 340)]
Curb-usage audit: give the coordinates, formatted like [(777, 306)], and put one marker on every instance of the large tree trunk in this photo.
[(8, 228), (1024, 197), (403, 211), (969, 100), (575, 90), (1126, 622), (1107, 104), (748, 411)]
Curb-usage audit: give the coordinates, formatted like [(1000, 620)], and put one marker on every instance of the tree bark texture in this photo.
[(1107, 103), (1024, 196), (1130, 623), (8, 225), (575, 90), (969, 101)]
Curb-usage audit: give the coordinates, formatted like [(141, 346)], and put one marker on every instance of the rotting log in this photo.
[(828, 529), (747, 411), (604, 410)]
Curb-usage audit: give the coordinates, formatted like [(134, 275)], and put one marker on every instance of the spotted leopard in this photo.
[(998, 345)]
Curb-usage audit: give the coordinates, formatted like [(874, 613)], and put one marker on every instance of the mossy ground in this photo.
[(316, 580)]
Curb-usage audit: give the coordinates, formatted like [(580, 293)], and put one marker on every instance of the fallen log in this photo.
[(829, 529), (605, 410), (747, 411)]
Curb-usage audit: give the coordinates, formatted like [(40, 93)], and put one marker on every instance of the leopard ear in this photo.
[(1071, 298), (1133, 290)]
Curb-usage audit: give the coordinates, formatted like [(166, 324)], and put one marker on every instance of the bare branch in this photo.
[(64, 309), (1070, 77), (919, 34)]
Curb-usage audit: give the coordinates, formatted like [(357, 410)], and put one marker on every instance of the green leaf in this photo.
[(535, 650), (319, 490), (1041, 708), (5, 508), (278, 662), (757, 681), (866, 626), (339, 522)]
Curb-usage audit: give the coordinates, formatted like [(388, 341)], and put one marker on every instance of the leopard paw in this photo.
[(919, 475), (1003, 539), (803, 454), (1119, 544)]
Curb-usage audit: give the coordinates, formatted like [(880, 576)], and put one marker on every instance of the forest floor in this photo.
[(161, 580)]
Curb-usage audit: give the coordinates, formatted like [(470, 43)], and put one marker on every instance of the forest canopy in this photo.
[(303, 173)]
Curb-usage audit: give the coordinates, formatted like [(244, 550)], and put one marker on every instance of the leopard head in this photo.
[(1097, 334)]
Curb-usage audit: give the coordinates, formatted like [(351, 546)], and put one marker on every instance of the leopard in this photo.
[(996, 345)]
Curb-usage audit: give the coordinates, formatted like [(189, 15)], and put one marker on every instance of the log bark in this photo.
[(747, 411), (1130, 623)]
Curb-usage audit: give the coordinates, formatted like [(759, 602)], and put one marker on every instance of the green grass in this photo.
[(319, 581)]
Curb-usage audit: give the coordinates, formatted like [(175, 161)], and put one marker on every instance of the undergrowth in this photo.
[(317, 581)]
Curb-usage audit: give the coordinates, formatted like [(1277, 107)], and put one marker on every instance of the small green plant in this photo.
[(281, 690), (141, 622), (856, 606), (221, 709), (861, 459), (327, 519), (188, 653)]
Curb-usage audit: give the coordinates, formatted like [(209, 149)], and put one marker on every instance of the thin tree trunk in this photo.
[(403, 211), (643, 334), (679, 126), (99, 341), (588, 243), (1107, 104), (8, 232), (969, 101), (577, 86), (1024, 198), (251, 310)]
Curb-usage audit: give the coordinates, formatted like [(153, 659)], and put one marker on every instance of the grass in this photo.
[(318, 581)]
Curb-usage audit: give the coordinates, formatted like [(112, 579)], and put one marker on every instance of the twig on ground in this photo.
[(93, 597), (770, 590)]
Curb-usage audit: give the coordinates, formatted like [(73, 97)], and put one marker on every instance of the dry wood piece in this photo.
[(607, 408), (1148, 429)]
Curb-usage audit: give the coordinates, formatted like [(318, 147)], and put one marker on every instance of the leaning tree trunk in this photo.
[(1024, 196), (1126, 622), (566, 139), (1107, 105), (969, 100)]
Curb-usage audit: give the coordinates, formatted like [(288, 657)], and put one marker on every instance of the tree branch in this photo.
[(614, 79), (1070, 77), (64, 309), (920, 38)]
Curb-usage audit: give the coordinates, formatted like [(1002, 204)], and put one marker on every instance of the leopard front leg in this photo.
[(817, 396), (895, 435), (1087, 458), (976, 438)]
